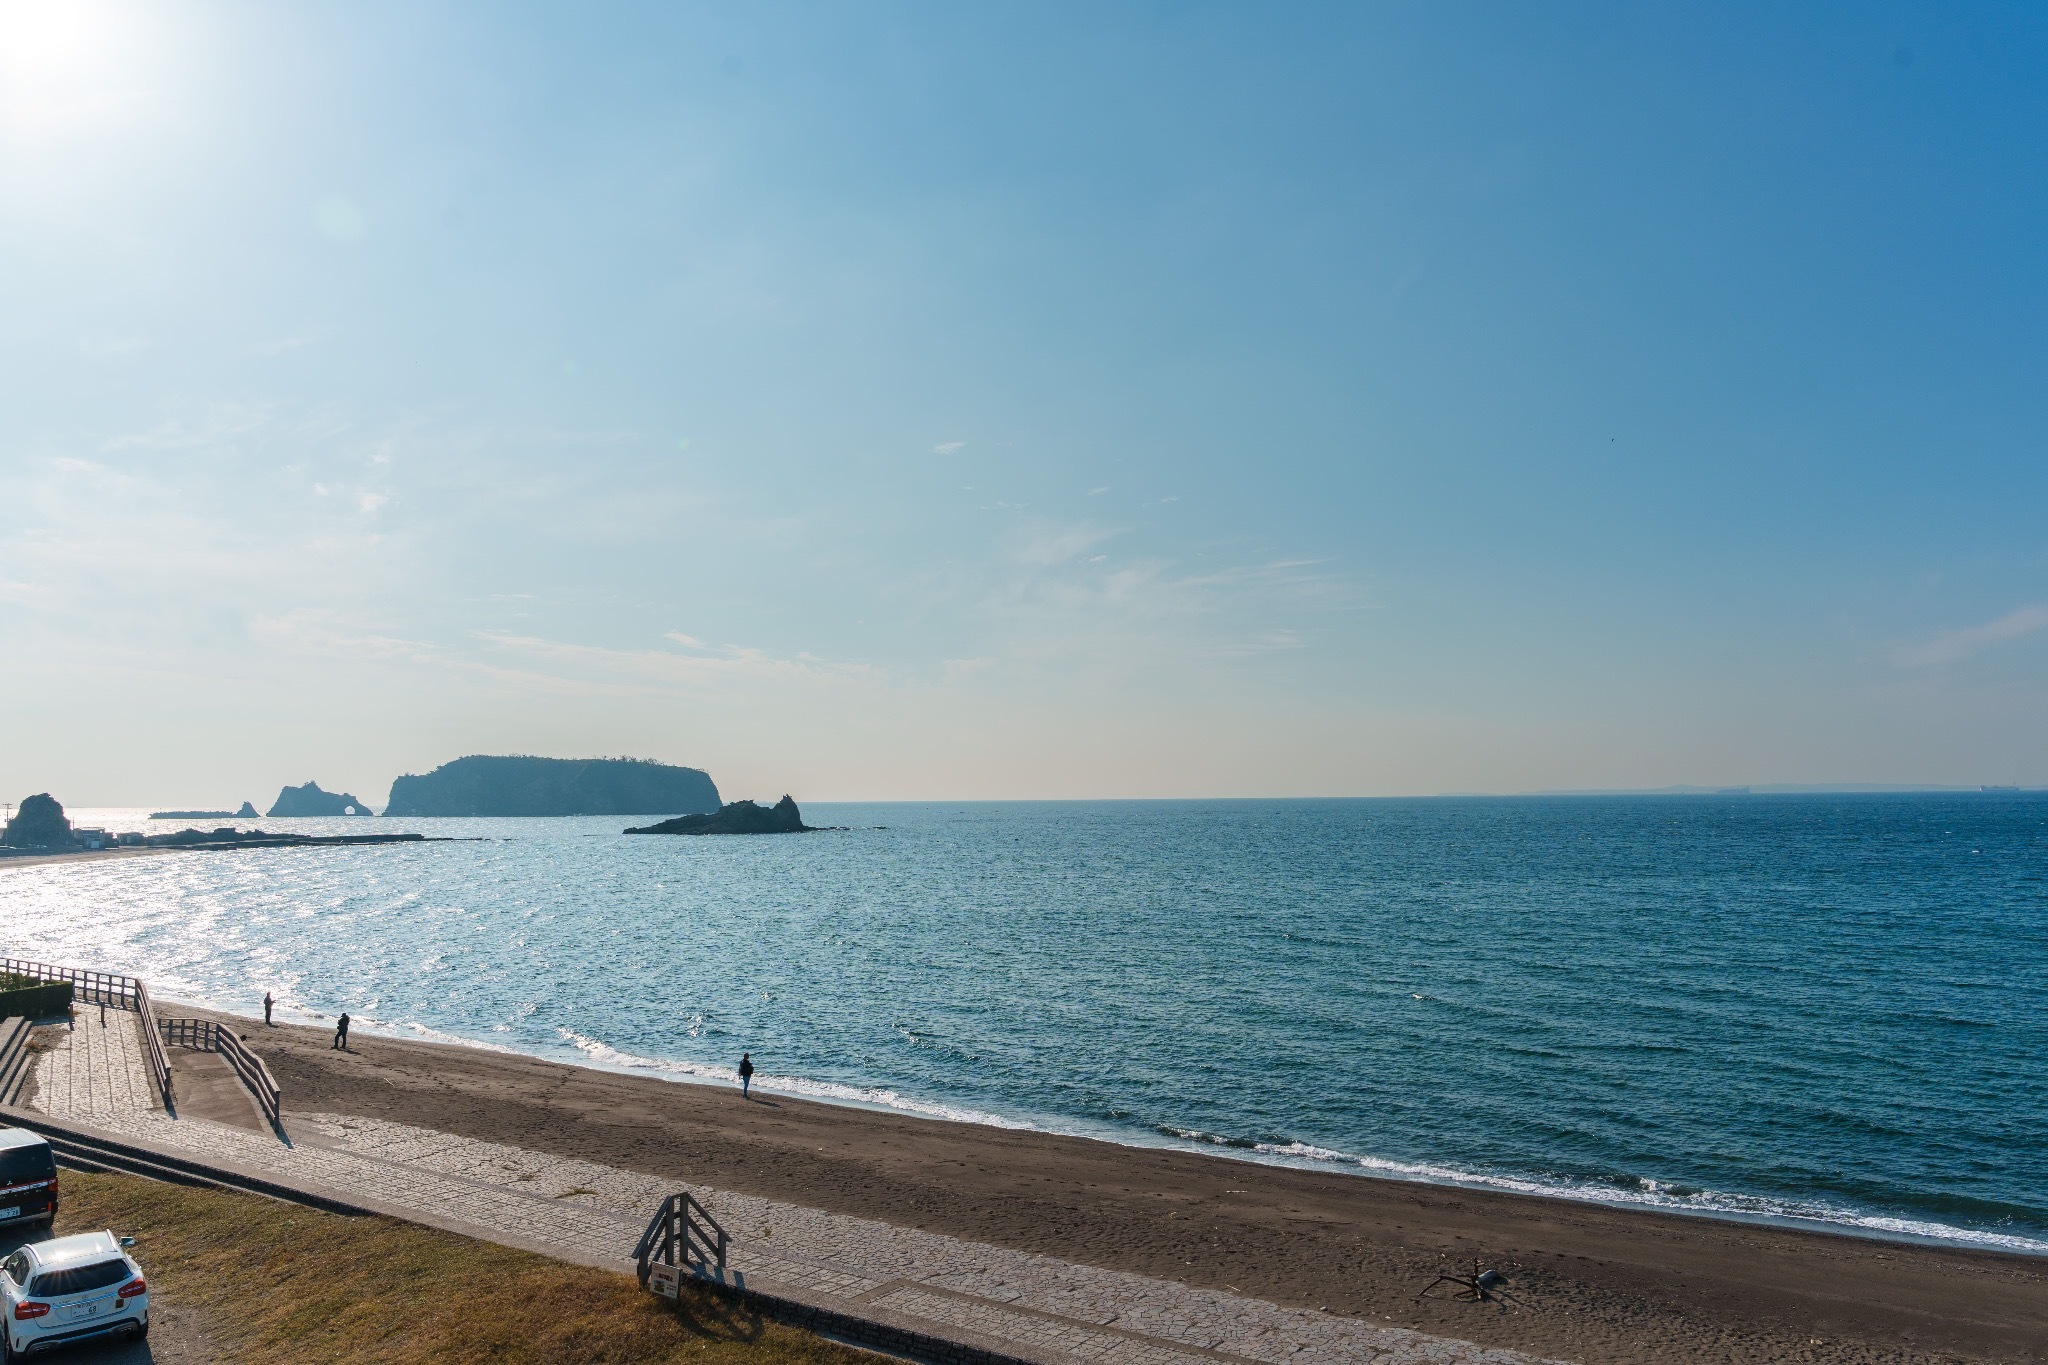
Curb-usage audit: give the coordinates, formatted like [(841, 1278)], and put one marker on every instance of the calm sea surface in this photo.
[(1828, 1008)]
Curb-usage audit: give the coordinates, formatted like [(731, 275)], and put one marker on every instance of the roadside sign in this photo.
[(662, 1279)]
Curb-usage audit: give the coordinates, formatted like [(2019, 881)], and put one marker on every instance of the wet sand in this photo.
[(1596, 1285)]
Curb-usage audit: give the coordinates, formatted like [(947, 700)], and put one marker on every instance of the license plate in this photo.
[(14, 1212), (84, 1310)]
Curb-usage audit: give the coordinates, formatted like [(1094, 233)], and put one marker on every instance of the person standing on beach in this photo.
[(341, 1032), (267, 1003), (746, 1073)]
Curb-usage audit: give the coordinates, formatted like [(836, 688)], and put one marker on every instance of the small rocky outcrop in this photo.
[(740, 817), (309, 800), (38, 823), (247, 812)]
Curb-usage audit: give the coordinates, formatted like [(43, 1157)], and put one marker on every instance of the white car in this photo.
[(69, 1289)]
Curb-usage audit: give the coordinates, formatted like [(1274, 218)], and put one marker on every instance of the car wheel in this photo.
[(142, 1332)]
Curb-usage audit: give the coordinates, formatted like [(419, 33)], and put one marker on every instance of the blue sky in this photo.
[(902, 401)]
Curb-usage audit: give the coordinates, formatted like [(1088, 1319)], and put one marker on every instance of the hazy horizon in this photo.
[(377, 802), (916, 402)]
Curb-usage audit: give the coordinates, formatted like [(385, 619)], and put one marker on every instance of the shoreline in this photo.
[(1605, 1285), (82, 855), (574, 1053)]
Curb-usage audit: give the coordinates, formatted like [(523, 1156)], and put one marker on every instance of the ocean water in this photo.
[(1819, 1008)]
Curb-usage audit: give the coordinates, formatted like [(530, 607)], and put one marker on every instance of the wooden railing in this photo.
[(204, 1035), (158, 1062), (108, 988), (682, 1233), (87, 987), (196, 1034)]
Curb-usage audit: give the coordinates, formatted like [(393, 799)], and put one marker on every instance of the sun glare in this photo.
[(65, 62)]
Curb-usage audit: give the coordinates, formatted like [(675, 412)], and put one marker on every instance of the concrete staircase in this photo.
[(14, 1057)]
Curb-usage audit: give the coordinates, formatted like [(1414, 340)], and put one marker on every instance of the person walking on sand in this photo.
[(746, 1073), (267, 1003), (341, 1032)]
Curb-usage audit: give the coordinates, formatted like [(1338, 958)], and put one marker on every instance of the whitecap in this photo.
[(611, 1058)]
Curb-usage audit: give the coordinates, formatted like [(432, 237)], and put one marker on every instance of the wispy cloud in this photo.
[(1953, 646), (691, 664), (335, 634), (1053, 543), (1266, 642), (963, 670), (949, 447), (107, 348), (1051, 604), (281, 345), (535, 663), (223, 427)]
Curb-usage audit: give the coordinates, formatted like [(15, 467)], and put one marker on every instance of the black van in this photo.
[(28, 1177)]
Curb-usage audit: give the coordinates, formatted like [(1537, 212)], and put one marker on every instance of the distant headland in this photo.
[(499, 785), (741, 817), (309, 801)]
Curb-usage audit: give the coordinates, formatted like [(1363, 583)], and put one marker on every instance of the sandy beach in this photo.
[(1597, 1285), (79, 856)]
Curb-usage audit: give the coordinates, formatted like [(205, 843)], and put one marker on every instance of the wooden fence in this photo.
[(87, 987)]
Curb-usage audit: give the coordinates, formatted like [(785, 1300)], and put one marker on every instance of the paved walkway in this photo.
[(1032, 1306), (92, 1071)]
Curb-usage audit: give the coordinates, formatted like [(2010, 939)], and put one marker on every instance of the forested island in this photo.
[(498, 785), (39, 822)]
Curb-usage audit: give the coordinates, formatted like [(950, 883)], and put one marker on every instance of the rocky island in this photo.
[(39, 822), (309, 801), (741, 817), (247, 812), (485, 784)]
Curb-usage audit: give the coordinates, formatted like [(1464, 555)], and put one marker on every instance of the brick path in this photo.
[(91, 1071), (1036, 1307)]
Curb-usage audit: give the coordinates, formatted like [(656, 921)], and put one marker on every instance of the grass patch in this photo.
[(276, 1282)]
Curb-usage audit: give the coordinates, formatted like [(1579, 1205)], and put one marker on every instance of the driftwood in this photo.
[(1481, 1286)]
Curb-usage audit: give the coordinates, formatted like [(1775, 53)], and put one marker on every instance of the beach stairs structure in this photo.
[(208, 1036), (681, 1239), (231, 1079), (109, 990), (14, 1056)]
